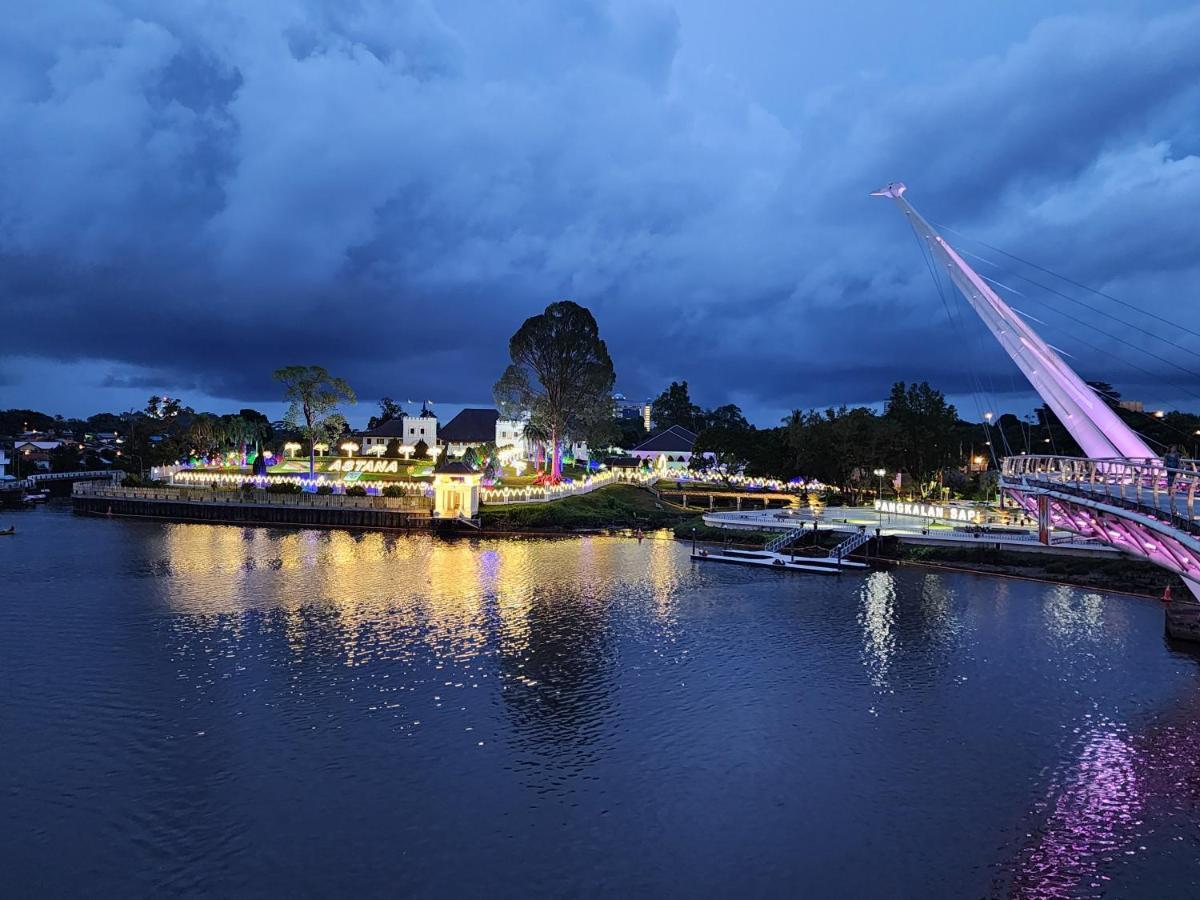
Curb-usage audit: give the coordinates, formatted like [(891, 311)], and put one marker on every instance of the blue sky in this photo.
[(193, 194)]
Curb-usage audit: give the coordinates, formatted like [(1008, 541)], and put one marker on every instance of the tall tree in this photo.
[(388, 409), (674, 406), (314, 397), (561, 376), (727, 416), (925, 428)]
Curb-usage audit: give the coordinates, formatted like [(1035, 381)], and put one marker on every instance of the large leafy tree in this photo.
[(674, 406), (727, 416), (388, 409), (840, 446), (561, 376), (925, 427), (315, 396)]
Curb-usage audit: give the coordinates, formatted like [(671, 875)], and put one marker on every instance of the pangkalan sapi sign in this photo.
[(930, 511)]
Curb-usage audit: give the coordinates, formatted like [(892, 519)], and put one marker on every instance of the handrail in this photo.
[(1142, 484), (778, 543), (850, 544)]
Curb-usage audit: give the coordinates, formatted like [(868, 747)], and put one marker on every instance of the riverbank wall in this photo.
[(260, 508)]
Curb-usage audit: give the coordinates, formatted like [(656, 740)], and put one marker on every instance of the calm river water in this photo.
[(194, 708)]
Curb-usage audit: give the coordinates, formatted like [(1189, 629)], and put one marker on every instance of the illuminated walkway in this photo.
[(910, 529)]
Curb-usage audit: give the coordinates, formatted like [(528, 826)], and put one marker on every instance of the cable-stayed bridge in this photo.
[(1120, 492)]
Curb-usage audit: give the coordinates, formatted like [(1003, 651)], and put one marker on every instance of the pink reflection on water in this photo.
[(1121, 792), (1092, 812)]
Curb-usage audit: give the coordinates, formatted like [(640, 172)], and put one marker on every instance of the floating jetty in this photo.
[(812, 565)]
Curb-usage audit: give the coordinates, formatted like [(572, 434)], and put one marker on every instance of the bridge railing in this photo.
[(1144, 484)]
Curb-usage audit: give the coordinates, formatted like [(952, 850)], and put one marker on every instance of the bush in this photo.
[(324, 489), (356, 490), (132, 480), (284, 487), (393, 490)]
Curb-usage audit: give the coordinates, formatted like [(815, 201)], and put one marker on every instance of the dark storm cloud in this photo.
[(201, 192)]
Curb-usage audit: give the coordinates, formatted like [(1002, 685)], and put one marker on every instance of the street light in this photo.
[(879, 473)]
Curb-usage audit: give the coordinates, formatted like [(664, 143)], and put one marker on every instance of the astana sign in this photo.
[(362, 465)]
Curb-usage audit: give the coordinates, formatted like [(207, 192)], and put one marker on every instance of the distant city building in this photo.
[(631, 409), (1136, 406), (35, 453)]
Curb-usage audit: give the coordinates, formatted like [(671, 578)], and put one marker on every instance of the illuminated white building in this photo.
[(671, 448), (408, 430)]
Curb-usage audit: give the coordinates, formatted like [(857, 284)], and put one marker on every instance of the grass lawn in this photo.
[(616, 506)]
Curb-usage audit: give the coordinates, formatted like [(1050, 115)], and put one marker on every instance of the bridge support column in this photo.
[(739, 504), (1183, 616)]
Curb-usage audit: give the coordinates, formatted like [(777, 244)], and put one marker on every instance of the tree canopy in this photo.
[(388, 409), (314, 397), (674, 406), (560, 378)]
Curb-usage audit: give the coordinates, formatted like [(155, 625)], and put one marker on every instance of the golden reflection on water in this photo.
[(451, 595)]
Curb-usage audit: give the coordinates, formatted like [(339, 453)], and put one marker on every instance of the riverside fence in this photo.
[(254, 507)]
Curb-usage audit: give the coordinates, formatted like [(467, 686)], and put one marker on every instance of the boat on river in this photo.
[(812, 565)]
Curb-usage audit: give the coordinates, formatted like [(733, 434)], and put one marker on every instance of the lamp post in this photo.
[(879, 473), (987, 417), (141, 466)]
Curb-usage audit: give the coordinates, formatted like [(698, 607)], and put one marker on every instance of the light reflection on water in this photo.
[(239, 711), (877, 618)]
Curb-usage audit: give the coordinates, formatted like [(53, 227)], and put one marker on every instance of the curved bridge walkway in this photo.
[(1137, 505)]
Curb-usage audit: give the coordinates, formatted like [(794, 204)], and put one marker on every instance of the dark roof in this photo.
[(389, 429), (675, 439), (455, 467), (471, 426), (622, 462)]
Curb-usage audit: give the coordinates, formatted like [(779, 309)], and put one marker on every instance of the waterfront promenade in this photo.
[(910, 529)]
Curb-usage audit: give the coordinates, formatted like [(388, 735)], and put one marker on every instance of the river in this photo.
[(239, 712)]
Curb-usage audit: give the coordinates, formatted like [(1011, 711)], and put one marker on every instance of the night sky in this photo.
[(193, 193)]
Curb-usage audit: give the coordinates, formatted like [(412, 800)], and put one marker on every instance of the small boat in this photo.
[(36, 497), (11, 529)]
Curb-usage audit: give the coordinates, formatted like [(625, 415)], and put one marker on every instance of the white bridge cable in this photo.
[(962, 331), (1090, 308), (1099, 293), (1073, 337), (1124, 362), (1120, 340)]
